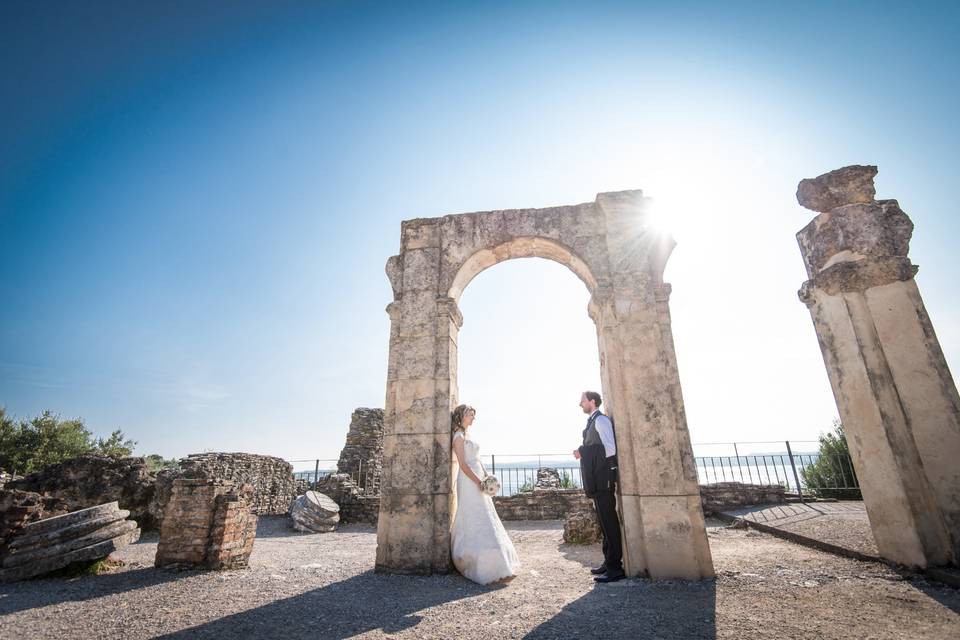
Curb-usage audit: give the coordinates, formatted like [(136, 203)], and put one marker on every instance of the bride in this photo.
[(481, 549)]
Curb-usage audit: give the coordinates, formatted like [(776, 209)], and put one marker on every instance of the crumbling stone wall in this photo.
[(90, 480), (362, 456), (731, 495), (271, 478), (354, 505), (546, 504), (208, 524)]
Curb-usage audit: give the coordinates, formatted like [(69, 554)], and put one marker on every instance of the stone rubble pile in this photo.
[(547, 478), (582, 527), (314, 512), (354, 505), (92, 480), (86, 535), (7, 477)]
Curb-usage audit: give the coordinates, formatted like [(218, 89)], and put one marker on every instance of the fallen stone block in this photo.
[(85, 535), (314, 512)]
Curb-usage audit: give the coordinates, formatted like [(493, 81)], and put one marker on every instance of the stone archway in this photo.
[(610, 245)]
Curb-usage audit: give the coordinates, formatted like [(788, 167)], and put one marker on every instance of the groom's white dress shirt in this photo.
[(605, 431)]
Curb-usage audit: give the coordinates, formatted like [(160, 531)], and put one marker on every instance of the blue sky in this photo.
[(197, 200)]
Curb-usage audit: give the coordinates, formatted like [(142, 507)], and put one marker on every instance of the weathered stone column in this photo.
[(895, 394), (664, 530), (413, 532)]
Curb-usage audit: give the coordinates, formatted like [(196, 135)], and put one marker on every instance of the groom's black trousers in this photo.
[(606, 504)]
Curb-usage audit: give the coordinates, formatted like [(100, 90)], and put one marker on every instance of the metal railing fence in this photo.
[(798, 471)]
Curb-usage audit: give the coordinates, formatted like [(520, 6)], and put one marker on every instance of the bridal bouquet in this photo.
[(490, 485)]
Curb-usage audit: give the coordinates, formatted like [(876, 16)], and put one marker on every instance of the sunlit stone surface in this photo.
[(896, 397), (612, 247)]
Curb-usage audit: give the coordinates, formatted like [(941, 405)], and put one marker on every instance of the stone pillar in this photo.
[(413, 532), (664, 530), (894, 392), (208, 523)]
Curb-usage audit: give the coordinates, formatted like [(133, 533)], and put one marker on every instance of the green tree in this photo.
[(832, 474), (114, 446), (26, 447), (156, 462)]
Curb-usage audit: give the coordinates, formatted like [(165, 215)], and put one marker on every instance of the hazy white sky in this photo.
[(197, 201)]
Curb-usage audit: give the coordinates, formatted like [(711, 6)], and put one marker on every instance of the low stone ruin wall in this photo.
[(88, 481), (208, 524), (271, 478), (545, 504), (732, 495), (542, 504), (354, 506)]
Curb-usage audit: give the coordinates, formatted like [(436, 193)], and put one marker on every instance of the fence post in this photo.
[(493, 464), (316, 473), (795, 476), (737, 453)]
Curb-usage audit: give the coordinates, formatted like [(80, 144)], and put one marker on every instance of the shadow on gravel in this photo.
[(944, 594), (40, 592), (637, 608), (367, 602)]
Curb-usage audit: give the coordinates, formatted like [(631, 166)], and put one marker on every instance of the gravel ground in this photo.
[(844, 524), (323, 586)]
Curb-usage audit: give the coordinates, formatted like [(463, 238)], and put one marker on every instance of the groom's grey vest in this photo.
[(590, 434)]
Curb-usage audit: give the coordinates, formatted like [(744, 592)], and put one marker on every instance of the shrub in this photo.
[(832, 474), (26, 447)]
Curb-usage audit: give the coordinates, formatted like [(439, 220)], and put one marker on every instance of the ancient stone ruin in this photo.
[(362, 456), (620, 257), (731, 495), (547, 478), (53, 543), (897, 400), (270, 477), (209, 524), (355, 506), (314, 512), (91, 480), (582, 527)]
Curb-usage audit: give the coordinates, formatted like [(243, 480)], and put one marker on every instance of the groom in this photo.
[(598, 468)]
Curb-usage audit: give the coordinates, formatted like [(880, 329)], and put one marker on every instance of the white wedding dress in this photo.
[(481, 549)]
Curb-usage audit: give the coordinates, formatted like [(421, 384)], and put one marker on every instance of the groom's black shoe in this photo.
[(599, 571), (611, 576)]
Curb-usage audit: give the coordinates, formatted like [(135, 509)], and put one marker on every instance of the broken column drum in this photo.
[(896, 397), (612, 247)]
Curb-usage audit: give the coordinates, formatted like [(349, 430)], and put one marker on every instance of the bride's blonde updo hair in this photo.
[(456, 418)]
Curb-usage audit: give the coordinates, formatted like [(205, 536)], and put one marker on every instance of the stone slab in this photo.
[(109, 532), (25, 542), (86, 554), (67, 519)]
